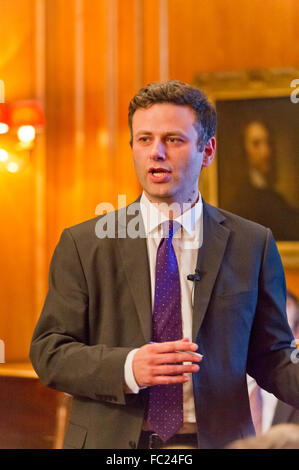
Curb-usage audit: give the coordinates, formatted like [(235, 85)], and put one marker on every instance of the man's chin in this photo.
[(161, 195)]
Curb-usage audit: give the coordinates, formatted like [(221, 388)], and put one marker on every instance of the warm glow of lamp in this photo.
[(3, 128), (3, 155), (4, 118), (26, 113), (26, 134), (22, 120), (13, 167)]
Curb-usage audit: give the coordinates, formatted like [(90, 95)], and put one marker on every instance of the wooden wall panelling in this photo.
[(32, 416), (127, 85), (60, 90), (17, 40), (88, 150), (231, 35), (39, 167), (151, 62), (163, 40), (98, 53), (79, 105), (98, 178), (222, 35), (17, 202)]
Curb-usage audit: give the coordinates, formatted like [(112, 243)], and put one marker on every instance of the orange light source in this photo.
[(26, 113), (13, 167), (3, 155), (23, 119), (26, 134), (4, 118)]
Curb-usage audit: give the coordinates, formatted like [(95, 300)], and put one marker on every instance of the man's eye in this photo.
[(143, 139), (174, 140)]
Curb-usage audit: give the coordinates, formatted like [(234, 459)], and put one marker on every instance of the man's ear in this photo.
[(209, 152)]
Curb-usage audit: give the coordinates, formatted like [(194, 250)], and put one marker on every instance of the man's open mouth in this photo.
[(159, 171)]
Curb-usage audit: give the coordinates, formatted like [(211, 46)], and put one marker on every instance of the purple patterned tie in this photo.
[(165, 407)]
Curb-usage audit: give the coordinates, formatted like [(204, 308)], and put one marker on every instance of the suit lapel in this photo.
[(133, 253), (215, 237)]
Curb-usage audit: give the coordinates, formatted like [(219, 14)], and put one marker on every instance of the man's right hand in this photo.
[(161, 363)]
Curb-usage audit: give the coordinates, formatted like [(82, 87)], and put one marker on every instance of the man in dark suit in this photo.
[(129, 304)]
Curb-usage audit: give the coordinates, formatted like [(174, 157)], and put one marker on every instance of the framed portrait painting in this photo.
[(256, 171)]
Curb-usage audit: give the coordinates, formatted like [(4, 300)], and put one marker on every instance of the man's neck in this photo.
[(174, 209)]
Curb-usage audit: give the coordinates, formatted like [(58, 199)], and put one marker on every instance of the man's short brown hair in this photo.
[(179, 93)]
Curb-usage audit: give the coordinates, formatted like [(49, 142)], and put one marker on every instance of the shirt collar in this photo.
[(153, 217)]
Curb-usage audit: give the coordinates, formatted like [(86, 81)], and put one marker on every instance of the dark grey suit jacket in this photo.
[(98, 308), (285, 413)]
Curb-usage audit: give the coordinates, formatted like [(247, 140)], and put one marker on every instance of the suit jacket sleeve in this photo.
[(270, 352), (59, 351)]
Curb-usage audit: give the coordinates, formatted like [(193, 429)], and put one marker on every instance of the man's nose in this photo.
[(158, 151)]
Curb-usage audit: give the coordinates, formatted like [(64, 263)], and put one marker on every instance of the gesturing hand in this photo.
[(161, 363)]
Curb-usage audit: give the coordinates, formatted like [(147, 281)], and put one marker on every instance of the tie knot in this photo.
[(170, 227)]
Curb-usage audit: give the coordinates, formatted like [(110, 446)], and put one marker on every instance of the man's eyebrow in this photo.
[(166, 134), (176, 132), (143, 132)]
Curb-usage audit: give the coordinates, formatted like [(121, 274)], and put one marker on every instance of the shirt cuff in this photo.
[(130, 383)]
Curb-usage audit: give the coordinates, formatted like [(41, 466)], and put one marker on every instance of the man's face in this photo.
[(257, 147), (166, 153)]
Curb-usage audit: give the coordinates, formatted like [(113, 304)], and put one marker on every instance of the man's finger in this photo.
[(172, 358), (170, 369), (172, 346), (169, 379)]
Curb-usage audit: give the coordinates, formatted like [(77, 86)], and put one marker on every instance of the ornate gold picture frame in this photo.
[(267, 101)]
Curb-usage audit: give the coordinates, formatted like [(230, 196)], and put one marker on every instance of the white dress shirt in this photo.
[(269, 404), (186, 242)]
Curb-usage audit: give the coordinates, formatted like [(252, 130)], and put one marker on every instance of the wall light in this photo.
[(4, 118), (19, 121), (27, 116), (12, 167), (26, 134), (3, 155)]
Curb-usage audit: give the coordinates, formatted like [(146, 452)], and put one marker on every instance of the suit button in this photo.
[(132, 444)]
